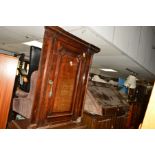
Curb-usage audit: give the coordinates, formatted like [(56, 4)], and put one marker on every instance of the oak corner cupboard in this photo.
[(62, 79)]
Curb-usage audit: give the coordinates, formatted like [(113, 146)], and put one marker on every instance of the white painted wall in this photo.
[(106, 31), (135, 41), (152, 61), (145, 46)]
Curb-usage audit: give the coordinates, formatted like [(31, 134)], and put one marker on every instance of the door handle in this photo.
[(51, 87)]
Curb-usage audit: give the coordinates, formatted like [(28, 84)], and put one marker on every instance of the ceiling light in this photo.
[(108, 70), (34, 43)]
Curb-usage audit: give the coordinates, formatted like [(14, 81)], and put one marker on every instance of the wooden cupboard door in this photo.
[(8, 66), (65, 74), (66, 79)]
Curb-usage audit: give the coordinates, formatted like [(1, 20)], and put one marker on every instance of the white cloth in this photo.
[(130, 82), (98, 79)]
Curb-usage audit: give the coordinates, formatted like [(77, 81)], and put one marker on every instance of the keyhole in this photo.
[(71, 63)]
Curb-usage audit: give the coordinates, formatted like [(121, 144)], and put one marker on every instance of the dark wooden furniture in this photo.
[(33, 65), (105, 107), (34, 59), (27, 67), (138, 108), (62, 80), (93, 121), (8, 67)]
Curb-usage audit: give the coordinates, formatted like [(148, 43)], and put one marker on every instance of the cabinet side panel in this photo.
[(8, 67)]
